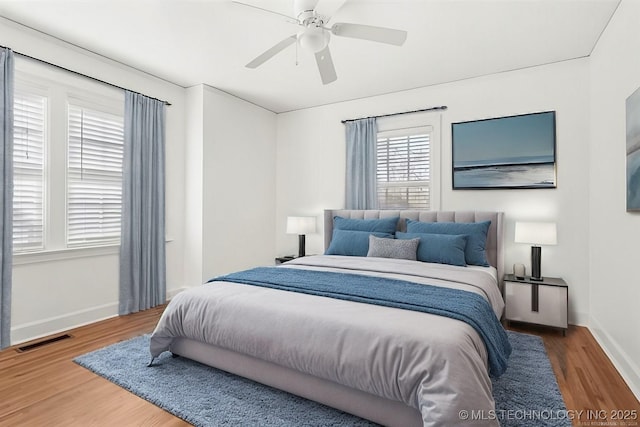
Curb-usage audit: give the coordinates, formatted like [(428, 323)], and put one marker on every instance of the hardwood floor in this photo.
[(44, 387), (587, 379)]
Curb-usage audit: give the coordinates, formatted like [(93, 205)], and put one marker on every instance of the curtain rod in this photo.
[(82, 75), (442, 107)]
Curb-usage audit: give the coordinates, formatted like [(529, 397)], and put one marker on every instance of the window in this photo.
[(30, 110), (68, 149), (94, 177), (404, 168)]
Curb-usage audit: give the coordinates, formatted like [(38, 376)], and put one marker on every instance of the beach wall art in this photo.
[(505, 152), (633, 151)]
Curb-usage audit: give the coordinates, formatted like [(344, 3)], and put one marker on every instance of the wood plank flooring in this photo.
[(43, 387), (587, 379)]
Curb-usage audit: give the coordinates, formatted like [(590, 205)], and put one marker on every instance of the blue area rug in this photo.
[(526, 395)]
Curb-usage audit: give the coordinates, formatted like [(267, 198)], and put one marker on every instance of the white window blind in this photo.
[(30, 111), (94, 180), (403, 169)]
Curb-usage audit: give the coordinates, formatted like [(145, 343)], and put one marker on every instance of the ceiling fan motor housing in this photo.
[(304, 9)]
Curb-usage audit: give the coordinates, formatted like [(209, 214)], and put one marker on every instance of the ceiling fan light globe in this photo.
[(314, 39)]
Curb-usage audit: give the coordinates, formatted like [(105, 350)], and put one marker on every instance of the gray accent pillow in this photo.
[(391, 248)]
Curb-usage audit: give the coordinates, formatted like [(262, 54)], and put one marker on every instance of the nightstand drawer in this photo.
[(551, 304)]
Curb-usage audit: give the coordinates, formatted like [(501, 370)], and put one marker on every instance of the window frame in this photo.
[(409, 123), (102, 107), (406, 133), (28, 85), (59, 86)]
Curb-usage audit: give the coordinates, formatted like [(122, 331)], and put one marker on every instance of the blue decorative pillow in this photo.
[(351, 243), (440, 248), (392, 248), (384, 225), (476, 236)]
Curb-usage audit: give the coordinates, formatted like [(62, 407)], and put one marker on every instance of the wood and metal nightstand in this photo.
[(537, 302), (283, 259)]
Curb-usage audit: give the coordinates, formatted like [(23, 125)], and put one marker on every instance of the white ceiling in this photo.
[(189, 42)]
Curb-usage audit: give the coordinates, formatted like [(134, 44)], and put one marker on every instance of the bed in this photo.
[(389, 365)]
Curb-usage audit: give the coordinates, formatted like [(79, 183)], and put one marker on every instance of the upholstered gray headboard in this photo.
[(494, 235)]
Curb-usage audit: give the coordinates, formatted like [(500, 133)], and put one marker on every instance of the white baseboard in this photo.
[(578, 318), (627, 367), (173, 292), (53, 325)]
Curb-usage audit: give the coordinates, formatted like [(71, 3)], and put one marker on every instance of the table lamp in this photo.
[(536, 233), (301, 225)]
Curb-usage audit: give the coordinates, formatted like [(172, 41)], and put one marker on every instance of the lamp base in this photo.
[(301, 245), (536, 256)]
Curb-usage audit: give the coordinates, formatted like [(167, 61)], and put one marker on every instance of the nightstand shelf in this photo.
[(537, 302)]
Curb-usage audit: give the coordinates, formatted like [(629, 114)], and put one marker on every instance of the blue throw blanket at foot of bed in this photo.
[(454, 303)]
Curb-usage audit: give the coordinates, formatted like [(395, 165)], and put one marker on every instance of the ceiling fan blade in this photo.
[(268, 54), (264, 10), (368, 32), (325, 66)]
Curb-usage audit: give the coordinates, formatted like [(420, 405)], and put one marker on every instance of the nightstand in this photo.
[(537, 302), (283, 259)]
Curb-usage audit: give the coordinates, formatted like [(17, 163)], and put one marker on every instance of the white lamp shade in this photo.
[(301, 224), (537, 233)]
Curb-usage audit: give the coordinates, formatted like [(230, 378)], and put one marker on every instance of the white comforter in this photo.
[(435, 364)]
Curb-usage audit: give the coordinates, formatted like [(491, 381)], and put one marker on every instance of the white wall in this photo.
[(614, 233), (230, 210), (56, 294), (193, 199), (239, 184), (311, 162)]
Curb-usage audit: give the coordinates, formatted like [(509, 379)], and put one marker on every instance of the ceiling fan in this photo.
[(313, 16)]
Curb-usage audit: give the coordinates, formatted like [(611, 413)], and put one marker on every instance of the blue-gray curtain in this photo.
[(6, 195), (361, 136), (142, 247)]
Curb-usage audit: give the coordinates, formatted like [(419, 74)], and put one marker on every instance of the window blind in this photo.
[(403, 170), (29, 127), (94, 177)]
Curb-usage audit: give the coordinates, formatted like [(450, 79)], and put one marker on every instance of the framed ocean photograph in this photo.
[(505, 152), (633, 151)]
